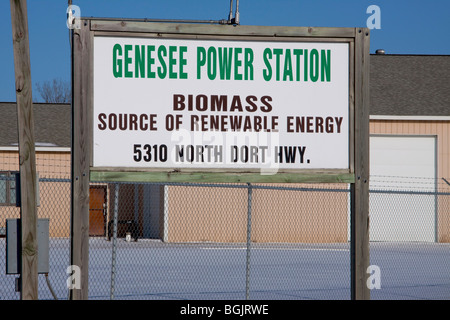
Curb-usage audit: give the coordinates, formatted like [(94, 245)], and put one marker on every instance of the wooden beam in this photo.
[(27, 156), (220, 177), (81, 59), (118, 25), (359, 191)]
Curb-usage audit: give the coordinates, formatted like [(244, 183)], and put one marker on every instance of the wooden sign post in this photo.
[(80, 158)]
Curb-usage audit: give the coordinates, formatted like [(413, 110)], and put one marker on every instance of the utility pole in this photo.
[(27, 156)]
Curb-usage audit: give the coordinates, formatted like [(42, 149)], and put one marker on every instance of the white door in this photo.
[(402, 184)]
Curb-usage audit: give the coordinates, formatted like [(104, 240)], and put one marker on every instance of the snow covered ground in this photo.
[(151, 269)]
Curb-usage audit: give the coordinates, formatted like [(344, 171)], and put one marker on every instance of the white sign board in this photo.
[(208, 104)]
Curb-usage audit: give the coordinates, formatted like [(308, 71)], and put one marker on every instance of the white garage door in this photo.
[(402, 184)]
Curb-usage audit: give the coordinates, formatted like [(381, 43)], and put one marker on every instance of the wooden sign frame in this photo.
[(357, 175)]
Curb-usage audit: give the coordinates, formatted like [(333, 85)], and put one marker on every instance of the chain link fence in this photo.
[(241, 241)]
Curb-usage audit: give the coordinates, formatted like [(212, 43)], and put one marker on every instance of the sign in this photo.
[(220, 104), (202, 103)]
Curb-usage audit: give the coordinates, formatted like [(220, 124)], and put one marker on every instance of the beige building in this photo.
[(410, 150), (52, 136)]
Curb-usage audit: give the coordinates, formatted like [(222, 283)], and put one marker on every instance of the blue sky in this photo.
[(407, 26)]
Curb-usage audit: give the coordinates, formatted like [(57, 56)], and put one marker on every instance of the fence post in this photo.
[(249, 231), (114, 248)]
